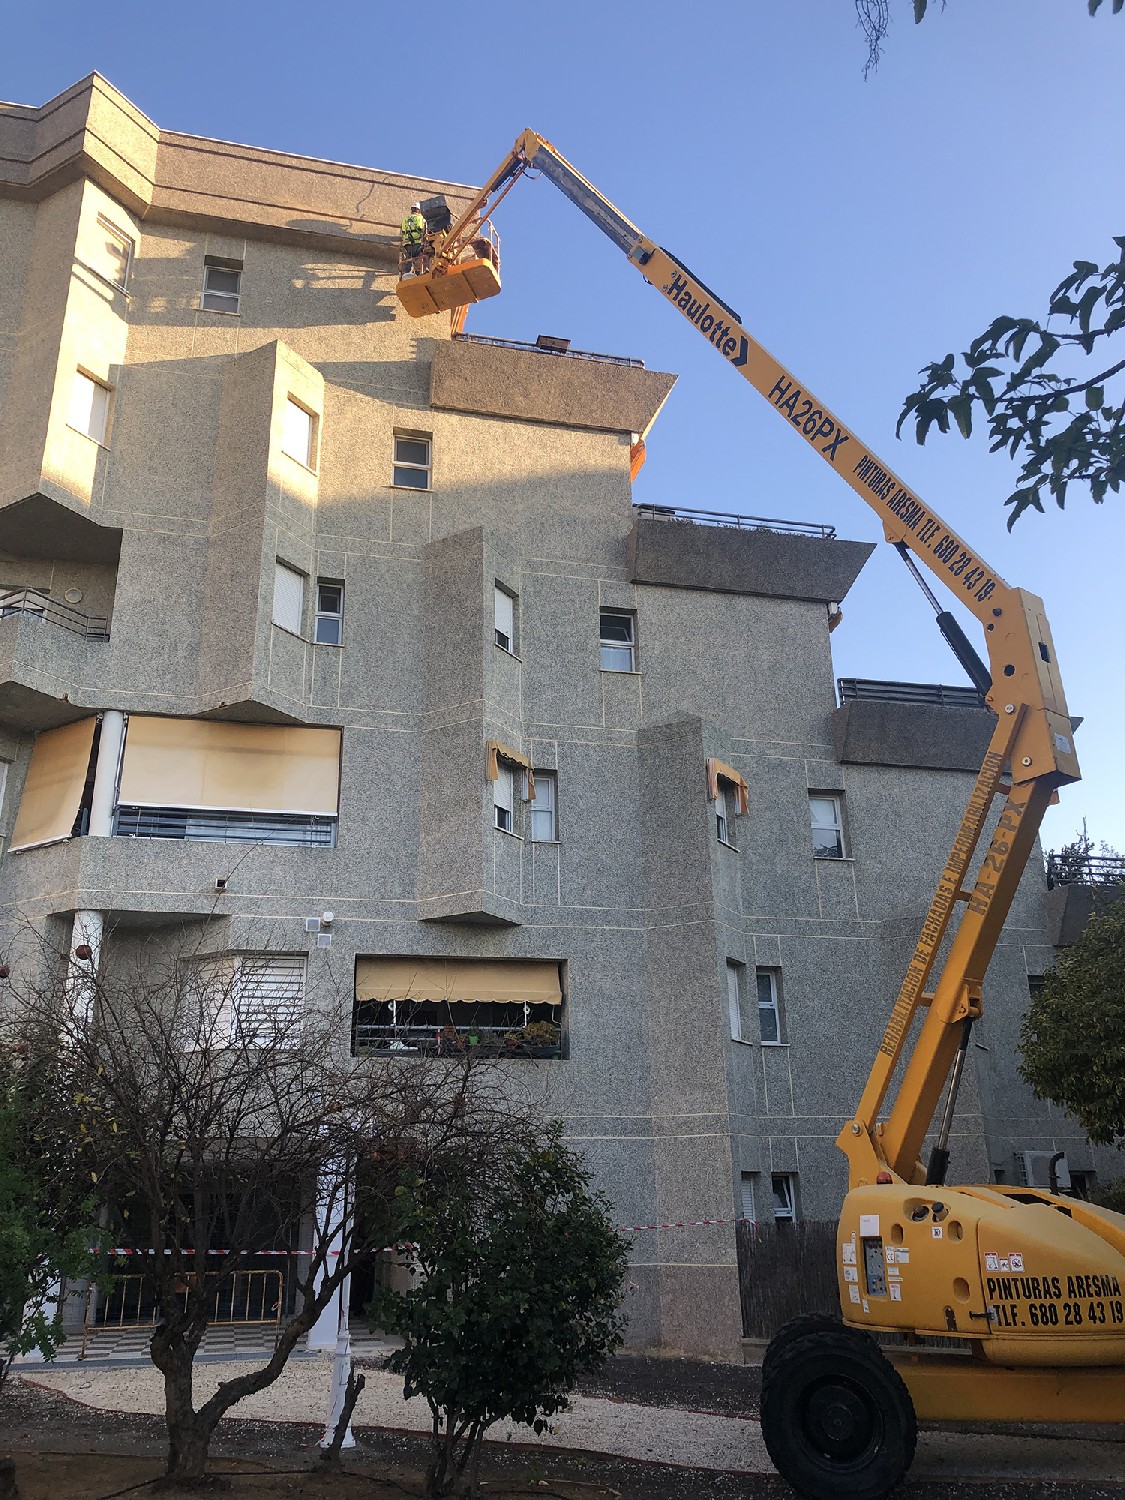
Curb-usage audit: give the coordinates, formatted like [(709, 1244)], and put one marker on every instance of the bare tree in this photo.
[(211, 1126)]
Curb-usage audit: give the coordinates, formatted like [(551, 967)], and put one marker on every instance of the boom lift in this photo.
[(1029, 1285)]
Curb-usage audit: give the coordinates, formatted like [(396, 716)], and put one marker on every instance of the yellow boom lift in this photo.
[(1030, 1284)]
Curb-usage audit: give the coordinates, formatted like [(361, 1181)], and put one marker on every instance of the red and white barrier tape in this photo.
[(116, 1250)]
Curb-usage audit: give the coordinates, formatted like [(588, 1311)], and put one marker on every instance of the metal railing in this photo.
[(35, 602), (253, 1296), (1084, 869), (605, 359), (736, 523), (863, 689)]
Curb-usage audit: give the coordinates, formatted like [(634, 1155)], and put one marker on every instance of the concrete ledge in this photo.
[(776, 565), (924, 735), (480, 908), (565, 391), (1070, 907)]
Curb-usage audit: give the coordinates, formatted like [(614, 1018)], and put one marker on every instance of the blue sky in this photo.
[(860, 228)]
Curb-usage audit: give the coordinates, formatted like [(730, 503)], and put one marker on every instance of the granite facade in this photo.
[(173, 526)]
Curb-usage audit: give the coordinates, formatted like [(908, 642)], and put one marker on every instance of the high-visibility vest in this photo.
[(413, 231)]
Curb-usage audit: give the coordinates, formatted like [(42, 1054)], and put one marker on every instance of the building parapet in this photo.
[(927, 735), (762, 560)]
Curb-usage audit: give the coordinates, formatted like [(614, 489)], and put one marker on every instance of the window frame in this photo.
[(549, 781), (726, 811), (328, 614), (734, 999), (312, 448), (505, 778), (280, 566), (222, 263), (789, 1213), (772, 1006), (748, 1187), (130, 246), (838, 828), (508, 644), (100, 437), (609, 645), (405, 465)]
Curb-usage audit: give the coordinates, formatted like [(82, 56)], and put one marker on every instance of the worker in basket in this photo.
[(413, 256)]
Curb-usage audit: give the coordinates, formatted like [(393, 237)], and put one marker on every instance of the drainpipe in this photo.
[(86, 939)]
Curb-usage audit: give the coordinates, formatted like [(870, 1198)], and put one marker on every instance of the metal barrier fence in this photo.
[(735, 523), (253, 1296)]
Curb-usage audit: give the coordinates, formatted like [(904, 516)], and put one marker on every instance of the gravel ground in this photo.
[(671, 1414), (33, 1418)]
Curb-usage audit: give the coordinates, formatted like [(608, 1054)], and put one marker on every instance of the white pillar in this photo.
[(82, 972), (330, 1206), (341, 1369), (105, 773)]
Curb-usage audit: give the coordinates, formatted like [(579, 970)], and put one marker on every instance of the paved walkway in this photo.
[(593, 1424)]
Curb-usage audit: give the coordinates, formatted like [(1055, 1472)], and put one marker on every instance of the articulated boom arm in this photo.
[(1031, 752)]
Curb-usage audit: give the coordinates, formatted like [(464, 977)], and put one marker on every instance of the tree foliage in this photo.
[(519, 1292), (1073, 1037), (1039, 402), (46, 1222)]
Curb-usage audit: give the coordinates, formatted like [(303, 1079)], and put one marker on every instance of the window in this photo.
[(89, 406), (504, 616), (236, 783), (329, 627), (827, 813), (784, 1197), (288, 598), (252, 999), (746, 1196), (503, 798), (617, 638), (222, 285), (734, 999), (113, 254), (769, 1006), (412, 461), (726, 810), (298, 433), (428, 1006), (544, 827)]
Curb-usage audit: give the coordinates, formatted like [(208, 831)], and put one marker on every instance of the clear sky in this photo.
[(860, 228)]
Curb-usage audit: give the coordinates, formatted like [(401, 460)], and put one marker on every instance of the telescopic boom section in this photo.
[(1032, 748)]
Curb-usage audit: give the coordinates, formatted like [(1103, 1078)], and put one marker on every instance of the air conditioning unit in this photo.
[(1035, 1169)]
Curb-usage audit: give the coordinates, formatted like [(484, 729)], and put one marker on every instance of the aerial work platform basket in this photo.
[(435, 282)]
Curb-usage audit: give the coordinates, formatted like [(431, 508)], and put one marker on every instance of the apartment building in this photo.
[(338, 640)]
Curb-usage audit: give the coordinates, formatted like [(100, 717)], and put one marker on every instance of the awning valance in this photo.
[(243, 767), (52, 792), (718, 770), (498, 751), (458, 981)]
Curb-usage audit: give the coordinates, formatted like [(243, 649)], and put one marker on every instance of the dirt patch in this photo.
[(73, 1476)]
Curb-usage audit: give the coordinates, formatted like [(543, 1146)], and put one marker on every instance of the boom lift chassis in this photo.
[(1030, 1284)]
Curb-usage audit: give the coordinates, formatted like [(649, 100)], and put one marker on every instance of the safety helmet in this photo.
[(415, 208)]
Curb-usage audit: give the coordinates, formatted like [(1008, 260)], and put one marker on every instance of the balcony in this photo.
[(740, 554), (36, 603), (922, 724)]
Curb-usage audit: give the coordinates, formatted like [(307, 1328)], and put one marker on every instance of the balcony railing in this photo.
[(605, 359), (863, 689), (736, 523), (1084, 869), (483, 1041), (34, 602)]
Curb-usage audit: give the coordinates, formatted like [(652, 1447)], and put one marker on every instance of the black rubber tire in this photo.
[(837, 1419), (797, 1328)]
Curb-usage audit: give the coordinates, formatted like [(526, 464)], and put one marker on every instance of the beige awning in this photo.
[(52, 793), (454, 981), (244, 767), (718, 770), (498, 751)]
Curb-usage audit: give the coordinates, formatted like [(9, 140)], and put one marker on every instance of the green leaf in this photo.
[(920, 10), (1095, 396)]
